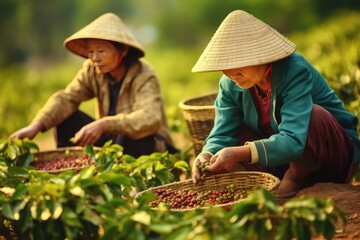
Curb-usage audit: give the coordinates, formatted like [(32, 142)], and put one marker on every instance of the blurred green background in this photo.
[(34, 63)]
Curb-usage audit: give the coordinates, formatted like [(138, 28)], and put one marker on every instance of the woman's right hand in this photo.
[(90, 133), (229, 159), (29, 131), (202, 157)]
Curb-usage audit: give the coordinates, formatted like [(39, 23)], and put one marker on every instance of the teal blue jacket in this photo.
[(296, 86)]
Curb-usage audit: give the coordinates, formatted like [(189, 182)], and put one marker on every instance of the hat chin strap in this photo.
[(123, 54)]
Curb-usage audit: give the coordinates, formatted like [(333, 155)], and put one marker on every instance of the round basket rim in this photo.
[(225, 205), (184, 106), (62, 149), (74, 149)]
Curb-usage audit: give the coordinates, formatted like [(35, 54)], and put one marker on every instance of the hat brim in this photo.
[(79, 46), (240, 41), (106, 27)]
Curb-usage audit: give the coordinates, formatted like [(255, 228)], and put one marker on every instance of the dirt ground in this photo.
[(347, 198)]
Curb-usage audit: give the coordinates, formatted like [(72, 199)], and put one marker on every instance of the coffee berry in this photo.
[(201, 166), (188, 199)]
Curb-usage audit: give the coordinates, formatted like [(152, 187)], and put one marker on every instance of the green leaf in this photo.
[(107, 166), (25, 221), (57, 180), (3, 146), (159, 167), (301, 202), (268, 224), (108, 208), (128, 159), (92, 216), (85, 173), (45, 214), (182, 165), (284, 230), (164, 176), (111, 230), (117, 179), (77, 191), (18, 171), (88, 182), (89, 149), (7, 191), (242, 209), (117, 148), (136, 234), (24, 160), (149, 172), (70, 218), (180, 233), (16, 207), (107, 144), (140, 183), (54, 189), (57, 210), (141, 217), (20, 191), (7, 210), (14, 150), (220, 237), (144, 198), (30, 144), (163, 228)]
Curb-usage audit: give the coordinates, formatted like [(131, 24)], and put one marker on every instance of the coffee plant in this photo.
[(100, 202)]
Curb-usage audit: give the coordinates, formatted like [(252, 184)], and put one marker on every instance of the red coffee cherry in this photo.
[(187, 199), (63, 163)]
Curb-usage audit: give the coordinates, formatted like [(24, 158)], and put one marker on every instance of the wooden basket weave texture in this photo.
[(199, 114), (241, 180)]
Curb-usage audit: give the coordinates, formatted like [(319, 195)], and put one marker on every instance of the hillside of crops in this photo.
[(333, 47)]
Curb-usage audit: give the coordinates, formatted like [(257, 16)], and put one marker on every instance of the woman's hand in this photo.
[(228, 159), (201, 158), (90, 133), (29, 131)]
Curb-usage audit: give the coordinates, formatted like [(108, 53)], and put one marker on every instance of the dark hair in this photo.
[(132, 54)]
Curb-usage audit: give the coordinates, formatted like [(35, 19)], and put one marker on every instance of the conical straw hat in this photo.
[(243, 40), (106, 27)]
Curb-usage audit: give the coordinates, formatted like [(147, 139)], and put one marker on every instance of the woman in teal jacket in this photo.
[(274, 110)]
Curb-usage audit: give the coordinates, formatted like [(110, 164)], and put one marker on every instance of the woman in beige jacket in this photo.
[(130, 105)]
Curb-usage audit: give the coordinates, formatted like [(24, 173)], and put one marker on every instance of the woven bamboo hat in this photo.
[(106, 27), (243, 40)]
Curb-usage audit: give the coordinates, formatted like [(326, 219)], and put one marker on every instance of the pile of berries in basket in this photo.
[(188, 198), (184, 199), (54, 161)]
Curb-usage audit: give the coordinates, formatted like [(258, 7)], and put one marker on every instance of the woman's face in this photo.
[(104, 54), (247, 77)]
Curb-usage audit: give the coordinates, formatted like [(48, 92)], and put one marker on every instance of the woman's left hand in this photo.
[(90, 133), (228, 159)]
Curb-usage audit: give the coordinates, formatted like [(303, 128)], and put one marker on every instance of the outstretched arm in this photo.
[(29, 131)]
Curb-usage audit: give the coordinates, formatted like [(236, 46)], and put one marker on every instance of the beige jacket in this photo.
[(140, 107)]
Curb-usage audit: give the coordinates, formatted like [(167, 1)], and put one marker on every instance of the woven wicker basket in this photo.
[(241, 180), (199, 113), (70, 153)]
